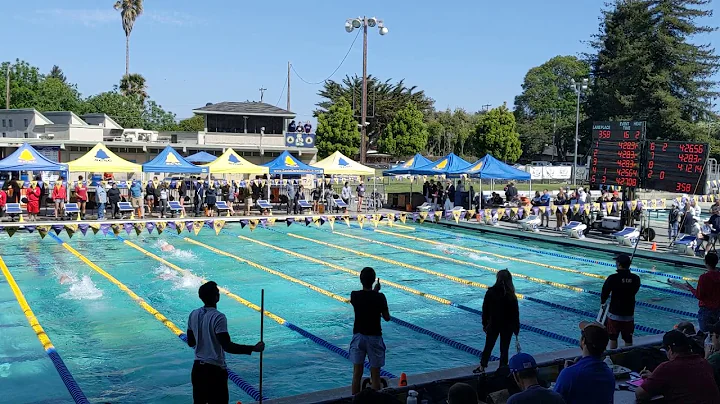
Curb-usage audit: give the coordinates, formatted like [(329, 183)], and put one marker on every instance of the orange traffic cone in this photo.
[(653, 247), (403, 380)]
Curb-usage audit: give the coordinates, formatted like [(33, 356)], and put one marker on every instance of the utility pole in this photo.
[(7, 88), (288, 88), (262, 93), (486, 107), (363, 113)]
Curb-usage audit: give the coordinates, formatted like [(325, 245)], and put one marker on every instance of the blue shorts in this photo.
[(371, 346)]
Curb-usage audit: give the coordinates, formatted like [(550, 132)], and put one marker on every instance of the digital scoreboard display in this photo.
[(615, 153), (675, 166)]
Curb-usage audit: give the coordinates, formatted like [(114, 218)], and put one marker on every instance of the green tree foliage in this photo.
[(54, 95), (450, 131), (650, 66), (406, 134), (56, 72), (24, 83), (337, 130), (545, 110), (194, 124), (496, 135), (156, 118), (385, 99), (126, 111), (130, 10), (133, 85)]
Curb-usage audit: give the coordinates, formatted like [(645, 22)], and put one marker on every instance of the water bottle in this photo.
[(608, 361), (412, 397)]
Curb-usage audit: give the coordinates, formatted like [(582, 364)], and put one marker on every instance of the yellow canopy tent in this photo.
[(101, 160), (339, 164), (231, 163)]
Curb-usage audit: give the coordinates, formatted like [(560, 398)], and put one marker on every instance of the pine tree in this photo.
[(337, 130)]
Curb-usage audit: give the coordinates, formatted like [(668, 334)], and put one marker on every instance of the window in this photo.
[(25, 122), (4, 123), (3, 134), (10, 122), (173, 138), (25, 135)]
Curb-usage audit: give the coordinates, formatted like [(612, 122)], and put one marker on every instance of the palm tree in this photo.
[(133, 85), (130, 10)]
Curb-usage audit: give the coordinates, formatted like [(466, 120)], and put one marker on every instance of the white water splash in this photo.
[(167, 248), (485, 258), (79, 288), (179, 280)]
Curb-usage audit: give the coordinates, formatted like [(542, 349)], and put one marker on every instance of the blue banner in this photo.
[(299, 139)]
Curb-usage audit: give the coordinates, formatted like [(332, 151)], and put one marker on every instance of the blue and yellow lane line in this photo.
[(416, 292), (234, 377), (483, 267), (67, 378), (524, 261), (246, 303), (438, 337)]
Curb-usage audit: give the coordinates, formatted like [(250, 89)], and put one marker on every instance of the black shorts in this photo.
[(209, 384)]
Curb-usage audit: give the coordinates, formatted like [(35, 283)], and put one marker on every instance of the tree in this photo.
[(194, 124), (545, 111), (496, 135), (385, 99), (406, 134), (451, 131), (126, 111), (337, 130), (130, 10), (24, 83), (56, 72), (133, 85), (649, 66), (156, 118), (54, 95)]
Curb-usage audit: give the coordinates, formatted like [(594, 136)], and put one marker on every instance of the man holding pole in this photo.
[(207, 332)]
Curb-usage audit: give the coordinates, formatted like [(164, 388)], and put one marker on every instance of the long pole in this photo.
[(262, 332), (288, 88), (577, 130), (7, 88), (363, 114)]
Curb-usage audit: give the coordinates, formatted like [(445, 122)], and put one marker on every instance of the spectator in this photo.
[(545, 201), (462, 393), (150, 190), (208, 333), (673, 220), (33, 201), (459, 190), (511, 193), (450, 200), (199, 199), (707, 293), (440, 199), (433, 192), (113, 195), (232, 197), (3, 202), (686, 378), (307, 127), (299, 196), (346, 194), (426, 191), (360, 190), (622, 286), (164, 194), (560, 218), (81, 195), (500, 317), (524, 371), (589, 380), (697, 339), (101, 198), (292, 127), (59, 194), (210, 201), (316, 194), (136, 198), (289, 194), (369, 305)]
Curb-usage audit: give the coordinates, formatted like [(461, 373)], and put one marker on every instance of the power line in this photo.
[(334, 71), (281, 92)]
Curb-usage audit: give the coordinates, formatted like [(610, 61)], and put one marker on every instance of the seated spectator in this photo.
[(461, 393), (589, 380), (524, 371), (685, 378), (697, 339)]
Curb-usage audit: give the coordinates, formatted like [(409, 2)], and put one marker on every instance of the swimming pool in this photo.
[(118, 352)]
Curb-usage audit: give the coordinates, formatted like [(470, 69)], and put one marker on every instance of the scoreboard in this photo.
[(615, 153), (675, 166)]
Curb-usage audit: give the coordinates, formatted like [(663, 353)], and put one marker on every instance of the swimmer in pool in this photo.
[(64, 279), (448, 252), (165, 276), (166, 247)]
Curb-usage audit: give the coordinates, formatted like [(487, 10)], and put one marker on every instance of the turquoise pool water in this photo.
[(118, 352)]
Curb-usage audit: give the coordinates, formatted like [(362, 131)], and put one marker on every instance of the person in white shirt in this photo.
[(164, 192), (207, 332), (346, 194)]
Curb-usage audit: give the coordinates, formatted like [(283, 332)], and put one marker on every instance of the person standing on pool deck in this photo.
[(100, 199), (369, 305), (707, 293), (81, 194), (136, 198), (58, 196), (208, 333), (621, 287), (500, 318), (361, 195)]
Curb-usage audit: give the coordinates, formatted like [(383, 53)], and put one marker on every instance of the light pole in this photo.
[(579, 88), (350, 25)]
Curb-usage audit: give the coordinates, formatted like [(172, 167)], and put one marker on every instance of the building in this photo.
[(254, 130)]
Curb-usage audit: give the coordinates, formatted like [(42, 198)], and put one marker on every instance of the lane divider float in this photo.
[(438, 337), (65, 375), (274, 317), (234, 377)]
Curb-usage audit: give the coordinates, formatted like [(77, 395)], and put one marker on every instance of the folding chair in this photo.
[(265, 207), (530, 223), (125, 207), (340, 204), (305, 205), (575, 229), (72, 208), (629, 236), (221, 207), (174, 207), (13, 210)]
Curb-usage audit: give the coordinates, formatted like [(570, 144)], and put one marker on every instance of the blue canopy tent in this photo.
[(170, 161), (201, 157), (286, 164), (26, 158), (491, 168), (406, 168), (447, 165)]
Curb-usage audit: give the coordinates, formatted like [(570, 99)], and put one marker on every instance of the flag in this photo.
[(438, 214), (11, 230), (106, 227), (271, 221), (243, 223), (289, 221), (501, 212), (456, 215), (70, 229), (361, 220), (196, 226), (218, 225), (391, 219), (128, 227), (138, 228), (43, 230), (415, 216), (58, 228), (95, 227), (160, 227), (30, 229), (403, 217), (308, 220), (83, 228), (150, 226), (423, 215), (253, 224), (331, 220), (346, 218), (316, 220)]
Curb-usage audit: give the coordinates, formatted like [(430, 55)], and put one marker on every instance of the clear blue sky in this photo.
[(463, 53)]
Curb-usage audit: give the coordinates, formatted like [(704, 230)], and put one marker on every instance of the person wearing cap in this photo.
[(523, 369), (621, 287), (707, 292), (462, 393), (589, 380), (207, 332), (685, 378)]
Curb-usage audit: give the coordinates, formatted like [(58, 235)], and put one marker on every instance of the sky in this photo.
[(463, 54)]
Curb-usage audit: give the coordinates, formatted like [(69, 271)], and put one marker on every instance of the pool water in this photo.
[(117, 352)]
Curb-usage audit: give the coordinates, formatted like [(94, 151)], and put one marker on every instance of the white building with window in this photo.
[(21, 123)]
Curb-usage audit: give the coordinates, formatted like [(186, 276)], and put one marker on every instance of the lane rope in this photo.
[(413, 327), (416, 292), (555, 267), (494, 270), (239, 381), (65, 375), (244, 302)]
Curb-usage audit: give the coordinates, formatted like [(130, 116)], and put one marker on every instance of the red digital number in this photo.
[(683, 187), (604, 134), (651, 164), (592, 178), (650, 173), (637, 134), (665, 145), (626, 134), (652, 145), (662, 175)]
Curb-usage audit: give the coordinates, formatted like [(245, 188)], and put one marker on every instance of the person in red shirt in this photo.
[(33, 201), (81, 194), (59, 193), (707, 293), (686, 378), (3, 202)]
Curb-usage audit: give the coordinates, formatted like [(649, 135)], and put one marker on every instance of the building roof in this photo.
[(40, 118), (64, 118), (100, 118), (244, 108)]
